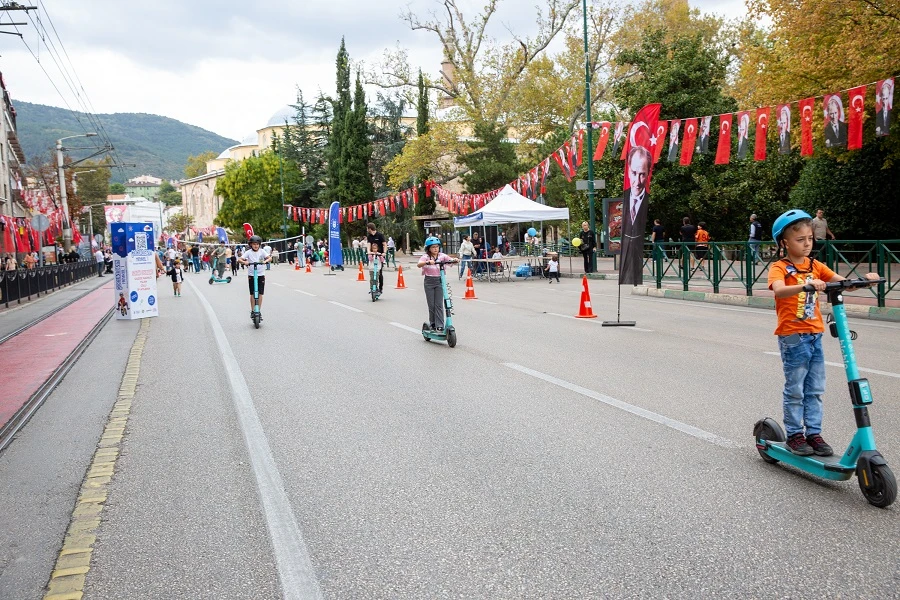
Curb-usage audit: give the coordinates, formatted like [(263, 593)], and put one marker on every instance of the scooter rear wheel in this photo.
[(768, 429), (256, 320), (883, 491)]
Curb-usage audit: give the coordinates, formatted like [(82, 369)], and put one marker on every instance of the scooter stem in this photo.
[(836, 299)]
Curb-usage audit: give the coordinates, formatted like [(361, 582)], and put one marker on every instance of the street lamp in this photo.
[(90, 209), (67, 225)]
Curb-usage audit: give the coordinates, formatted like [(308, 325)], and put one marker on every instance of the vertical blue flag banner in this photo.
[(223, 235), (335, 257)]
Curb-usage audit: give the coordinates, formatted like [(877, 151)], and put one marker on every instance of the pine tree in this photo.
[(302, 148), (337, 140), (426, 205), (357, 152)]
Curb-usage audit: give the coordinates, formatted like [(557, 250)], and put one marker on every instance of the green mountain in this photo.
[(157, 145)]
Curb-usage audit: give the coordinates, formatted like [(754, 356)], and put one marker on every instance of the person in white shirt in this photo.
[(255, 255), (98, 256), (268, 250)]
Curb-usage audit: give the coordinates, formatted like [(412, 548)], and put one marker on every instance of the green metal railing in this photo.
[(732, 265)]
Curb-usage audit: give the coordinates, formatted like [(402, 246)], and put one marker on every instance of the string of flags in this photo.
[(842, 128), (348, 214)]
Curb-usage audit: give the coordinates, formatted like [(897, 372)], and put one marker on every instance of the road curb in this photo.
[(853, 310)]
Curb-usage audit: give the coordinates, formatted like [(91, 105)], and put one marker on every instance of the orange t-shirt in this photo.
[(791, 310), (702, 236)]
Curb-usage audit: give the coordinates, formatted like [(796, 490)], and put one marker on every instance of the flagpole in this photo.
[(590, 143)]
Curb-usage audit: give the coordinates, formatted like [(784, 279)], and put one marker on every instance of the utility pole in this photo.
[(587, 105), (67, 221)]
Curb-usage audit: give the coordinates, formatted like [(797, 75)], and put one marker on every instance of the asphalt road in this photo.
[(334, 453)]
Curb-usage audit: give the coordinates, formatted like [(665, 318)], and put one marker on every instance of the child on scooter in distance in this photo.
[(434, 293), (799, 331)]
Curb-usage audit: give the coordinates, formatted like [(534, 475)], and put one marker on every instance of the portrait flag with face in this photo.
[(784, 128), (723, 151), (762, 128), (604, 139), (806, 114), (641, 134), (884, 102), (618, 137), (856, 108), (689, 141), (703, 143), (835, 126), (661, 128), (642, 141), (625, 142)]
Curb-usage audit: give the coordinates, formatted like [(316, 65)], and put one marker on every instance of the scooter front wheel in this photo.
[(228, 280), (883, 490), (451, 337), (767, 430), (210, 281)]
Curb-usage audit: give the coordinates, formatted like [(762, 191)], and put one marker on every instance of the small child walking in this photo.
[(177, 275), (552, 268), (799, 331)]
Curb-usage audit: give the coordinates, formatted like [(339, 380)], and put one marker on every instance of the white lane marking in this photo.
[(841, 365), (344, 306), (295, 570), (485, 301), (632, 328), (279, 284), (307, 293), (407, 327), (635, 410)]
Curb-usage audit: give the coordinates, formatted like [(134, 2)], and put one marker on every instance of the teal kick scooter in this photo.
[(216, 279), (448, 334), (875, 478), (257, 315), (373, 277)]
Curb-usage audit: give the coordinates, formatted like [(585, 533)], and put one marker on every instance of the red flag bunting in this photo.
[(661, 129), (854, 121), (723, 151), (689, 141), (806, 115), (762, 128), (604, 139)]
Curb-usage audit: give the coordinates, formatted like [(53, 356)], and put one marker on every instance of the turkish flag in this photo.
[(661, 128), (806, 115), (604, 139), (625, 144), (854, 120), (248, 230), (640, 135), (762, 128), (689, 141), (723, 151)]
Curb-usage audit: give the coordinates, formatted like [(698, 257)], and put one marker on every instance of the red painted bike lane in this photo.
[(28, 360)]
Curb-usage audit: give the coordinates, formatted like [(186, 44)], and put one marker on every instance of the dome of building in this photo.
[(285, 113), (226, 154), (251, 139)]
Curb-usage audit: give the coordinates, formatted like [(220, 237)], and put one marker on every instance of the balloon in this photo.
[(532, 231), (576, 242)]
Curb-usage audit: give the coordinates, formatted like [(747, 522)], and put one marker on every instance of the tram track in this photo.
[(18, 420)]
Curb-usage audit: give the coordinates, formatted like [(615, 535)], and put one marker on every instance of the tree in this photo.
[(388, 139), (168, 195), (484, 73), (341, 107), (432, 155), (304, 145), (179, 222), (491, 160), (356, 180), (117, 188), (93, 187), (251, 190), (196, 165)]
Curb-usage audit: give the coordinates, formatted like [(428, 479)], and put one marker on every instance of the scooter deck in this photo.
[(827, 467)]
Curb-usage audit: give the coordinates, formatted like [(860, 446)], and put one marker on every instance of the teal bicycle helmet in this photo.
[(786, 220), (431, 241)]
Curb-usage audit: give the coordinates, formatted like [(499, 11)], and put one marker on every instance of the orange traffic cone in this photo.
[(309, 266), (470, 287), (360, 276), (401, 285), (297, 265), (585, 311)]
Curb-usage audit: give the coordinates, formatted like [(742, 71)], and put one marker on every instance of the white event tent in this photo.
[(509, 206)]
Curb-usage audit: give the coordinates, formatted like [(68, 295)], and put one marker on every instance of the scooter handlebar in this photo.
[(846, 284)]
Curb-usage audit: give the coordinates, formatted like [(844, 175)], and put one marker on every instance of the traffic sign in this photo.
[(582, 184), (40, 222)]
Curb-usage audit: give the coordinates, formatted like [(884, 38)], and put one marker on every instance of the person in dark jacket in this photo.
[(588, 244)]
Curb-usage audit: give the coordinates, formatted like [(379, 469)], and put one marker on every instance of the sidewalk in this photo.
[(16, 316)]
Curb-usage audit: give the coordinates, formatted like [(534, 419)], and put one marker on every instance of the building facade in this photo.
[(199, 199)]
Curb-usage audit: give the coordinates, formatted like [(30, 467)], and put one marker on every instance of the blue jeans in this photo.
[(804, 381), (464, 264), (754, 249), (196, 261)]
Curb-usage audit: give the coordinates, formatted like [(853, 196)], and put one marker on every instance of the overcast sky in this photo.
[(224, 65)]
